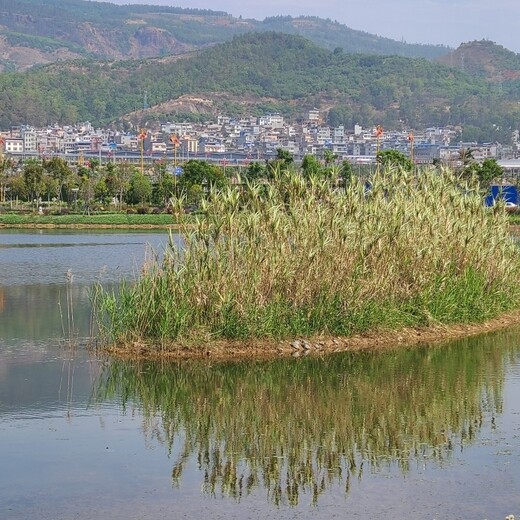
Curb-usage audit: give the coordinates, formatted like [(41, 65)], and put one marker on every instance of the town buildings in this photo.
[(246, 139)]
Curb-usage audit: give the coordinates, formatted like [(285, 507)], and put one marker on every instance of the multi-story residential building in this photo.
[(425, 153), (209, 145), (314, 116), (190, 145), (179, 129), (338, 136), (323, 136), (13, 145), (290, 145), (358, 148), (158, 147), (340, 149), (126, 141), (30, 141), (274, 121), (485, 151), (69, 143)]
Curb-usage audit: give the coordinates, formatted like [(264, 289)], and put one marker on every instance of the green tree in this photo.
[(203, 174), (101, 191), (482, 173), (282, 163), (117, 179), (87, 191), (50, 187), (255, 171), (33, 178), (489, 170), (6, 166), (195, 194), (346, 173), (140, 189), (394, 159), (60, 171), (17, 187), (285, 156), (468, 169), (310, 166), (329, 157), (466, 157), (164, 189)]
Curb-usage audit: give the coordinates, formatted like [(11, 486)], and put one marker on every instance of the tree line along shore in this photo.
[(54, 192)]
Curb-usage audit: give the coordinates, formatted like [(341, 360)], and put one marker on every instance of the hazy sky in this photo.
[(449, 22)]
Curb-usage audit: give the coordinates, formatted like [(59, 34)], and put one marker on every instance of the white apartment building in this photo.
[(273, 121), (69, 143), (30, 142), (179, 129), (13, 145), (314, 116)]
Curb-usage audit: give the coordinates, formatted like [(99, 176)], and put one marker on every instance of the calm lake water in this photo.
[(427, 433)]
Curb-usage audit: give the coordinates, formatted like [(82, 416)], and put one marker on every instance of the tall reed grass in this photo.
[(302, 257)]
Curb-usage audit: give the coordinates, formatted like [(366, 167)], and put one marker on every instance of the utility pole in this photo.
[(379, 134), (142, 137), (411, 139)]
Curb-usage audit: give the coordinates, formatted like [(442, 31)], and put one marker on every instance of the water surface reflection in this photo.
[(47, 276), (297, 427)]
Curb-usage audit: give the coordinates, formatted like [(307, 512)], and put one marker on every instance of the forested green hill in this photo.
[(487, 60), (43, 31), (290, 71)]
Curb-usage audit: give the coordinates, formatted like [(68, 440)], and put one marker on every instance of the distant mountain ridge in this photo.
[(35, 32), (484, 59)]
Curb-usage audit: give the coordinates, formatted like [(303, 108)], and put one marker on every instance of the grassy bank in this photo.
[(100, 220), (298, 258), (514, 219)]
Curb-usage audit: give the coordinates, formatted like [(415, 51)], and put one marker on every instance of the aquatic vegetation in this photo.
[(303, 257)]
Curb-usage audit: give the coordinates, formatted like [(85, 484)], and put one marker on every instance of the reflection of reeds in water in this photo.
[(299, 427), (94, 295), (70, 336), (69, 366)]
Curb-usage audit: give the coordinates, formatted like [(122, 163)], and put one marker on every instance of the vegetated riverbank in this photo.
[(298, 258), (120, 220), (374, 341), (103, 220)]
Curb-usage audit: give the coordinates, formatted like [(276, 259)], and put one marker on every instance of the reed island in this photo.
[(300, 264)]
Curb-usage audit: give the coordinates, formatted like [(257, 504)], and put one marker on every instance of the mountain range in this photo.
[(44, 31), (186, 74)]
